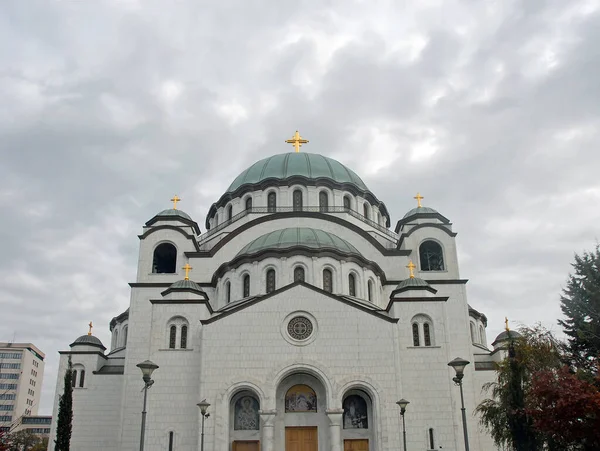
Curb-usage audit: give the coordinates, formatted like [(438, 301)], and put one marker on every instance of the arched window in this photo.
[(356, 415), (172, 336), (426, 334), (270, 280), (298, 274), (271, 202), (431, 256), (481, 335), (246, 283), (297, 200), (184, 333), (366, 210), (377, 219), (347, 202), (228, 292), (300, 398), (74, 379), (229, 212), (125, 330), (245, 414), (415, 332), (323, 201), (248, 203), (164, 259), (473, 333), (370, 291), (81, 378), (430, 437), (328, 280), (171, 437), (115, 339), (351, 285)]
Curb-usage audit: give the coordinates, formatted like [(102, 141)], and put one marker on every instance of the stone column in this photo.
[(267, 419), (335, 428)]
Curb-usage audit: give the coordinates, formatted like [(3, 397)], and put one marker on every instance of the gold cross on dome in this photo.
[(187, 268), (297, 141), (175, 200), (411, 267), (506, 324), (419, 199), (91, 326)]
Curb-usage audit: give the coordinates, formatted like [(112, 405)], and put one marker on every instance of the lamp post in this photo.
[(147, 368), (203, 408), (459, 366), (403, 403)]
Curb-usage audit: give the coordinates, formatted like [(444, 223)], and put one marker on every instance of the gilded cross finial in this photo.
[(411, 267), (506, 324), (419, 199), (187, 268), (297, 141), (175, 200), (91, 326)]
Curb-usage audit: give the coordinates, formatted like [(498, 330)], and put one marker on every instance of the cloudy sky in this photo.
[(107, 108)]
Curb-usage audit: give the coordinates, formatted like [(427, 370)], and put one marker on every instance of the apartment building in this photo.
[(21, 376)]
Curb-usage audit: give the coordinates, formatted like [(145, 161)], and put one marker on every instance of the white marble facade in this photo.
[(244, 332)]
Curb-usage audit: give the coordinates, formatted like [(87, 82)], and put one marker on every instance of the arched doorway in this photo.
[(357, 421), (244, 421), (301, 422)]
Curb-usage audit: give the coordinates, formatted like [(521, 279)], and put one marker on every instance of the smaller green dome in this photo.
[(420, 210), (503, 336), (88, 340), (186, 285), (298, 236), (174, 212), (413, 282)]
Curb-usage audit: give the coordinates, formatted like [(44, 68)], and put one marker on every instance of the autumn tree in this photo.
[(505, 413), (580, 304), (565, 409)]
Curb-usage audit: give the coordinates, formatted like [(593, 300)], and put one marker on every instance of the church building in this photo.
[(297, 320)]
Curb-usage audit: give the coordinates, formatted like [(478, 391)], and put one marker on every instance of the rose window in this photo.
[(300, 328)]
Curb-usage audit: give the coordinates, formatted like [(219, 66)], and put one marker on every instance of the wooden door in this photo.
[(356, 445), (301, 439), (240, 445)]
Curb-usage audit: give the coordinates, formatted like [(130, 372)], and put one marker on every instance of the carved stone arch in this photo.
[(364, 386), (425, 241), (308, 367)]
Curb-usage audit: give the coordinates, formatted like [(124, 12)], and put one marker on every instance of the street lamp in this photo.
[(403, 403), (459, 366), (203, 408), (147, 368)]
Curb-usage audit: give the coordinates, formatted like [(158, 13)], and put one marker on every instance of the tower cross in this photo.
[(297, 141), (419, 199), (91, 326), (175, 199), (187, 269), (411, 267)]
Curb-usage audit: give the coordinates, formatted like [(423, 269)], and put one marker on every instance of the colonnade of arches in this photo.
[(304, 416)]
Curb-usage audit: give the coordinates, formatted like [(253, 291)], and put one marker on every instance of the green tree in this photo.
[(580, 303), (65, 413), (505, 413)]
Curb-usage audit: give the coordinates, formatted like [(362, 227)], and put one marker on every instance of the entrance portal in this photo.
[(246, 446), (356, 445), (301, 439)]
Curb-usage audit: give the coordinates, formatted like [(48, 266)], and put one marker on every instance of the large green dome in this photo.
[(298, 236), (286, 165)]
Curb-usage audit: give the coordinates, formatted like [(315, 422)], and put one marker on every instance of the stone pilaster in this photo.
[(335, 428), (267, 419)]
